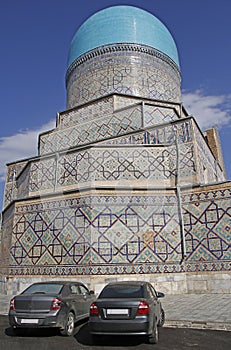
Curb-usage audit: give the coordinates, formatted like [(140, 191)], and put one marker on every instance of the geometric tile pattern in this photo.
[(122, 101), (157, 115), (82, 234), (122, 165), (164, 134), (129, 119), (42, 175), (10, 191), (208, 228), (126, 69), (86, 113), (106, 127), (117, 165), (107, 162), (154, 111), (122, 234)]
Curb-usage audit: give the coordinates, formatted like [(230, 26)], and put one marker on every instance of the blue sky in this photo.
[(35, 39)]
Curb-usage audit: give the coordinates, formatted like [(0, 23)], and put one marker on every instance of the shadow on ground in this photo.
[(39, 332), (31, 332), (84, 337)]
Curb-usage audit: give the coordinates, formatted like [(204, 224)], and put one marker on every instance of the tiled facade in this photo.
[(127, 69), (142, 159), (120, 233), (125, 186), (116, 233)]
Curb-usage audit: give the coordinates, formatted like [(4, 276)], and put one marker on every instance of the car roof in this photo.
[(135, 283), (58, 282)]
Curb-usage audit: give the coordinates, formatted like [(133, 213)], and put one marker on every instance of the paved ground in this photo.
[(202, 311), (210, 311), (169, 339)]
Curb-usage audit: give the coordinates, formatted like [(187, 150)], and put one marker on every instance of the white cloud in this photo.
[(208, 110), (19, 146)]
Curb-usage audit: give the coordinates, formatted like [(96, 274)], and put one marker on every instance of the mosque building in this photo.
[(126, 186)]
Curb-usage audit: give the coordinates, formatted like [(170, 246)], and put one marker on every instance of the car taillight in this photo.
[(12, 306), (94, 309), (56, 304), (143, 308)]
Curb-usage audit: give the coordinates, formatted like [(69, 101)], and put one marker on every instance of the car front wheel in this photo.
[(153, 337), (69, 326), (162, 318)]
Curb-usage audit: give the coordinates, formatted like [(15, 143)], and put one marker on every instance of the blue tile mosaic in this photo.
[(133, 234)]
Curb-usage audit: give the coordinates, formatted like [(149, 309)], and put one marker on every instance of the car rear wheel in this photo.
[(153, 337), (69, 327), (162, 318)]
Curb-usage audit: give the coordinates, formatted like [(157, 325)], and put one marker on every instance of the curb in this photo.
[(219, 326)]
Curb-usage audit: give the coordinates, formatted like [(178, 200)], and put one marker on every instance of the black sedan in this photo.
[(50, 304), (127, 308)]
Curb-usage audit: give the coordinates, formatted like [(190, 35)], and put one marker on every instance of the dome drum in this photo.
[(120, 47), (131, 69)]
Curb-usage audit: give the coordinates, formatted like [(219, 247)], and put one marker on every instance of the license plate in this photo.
[(117, 311), (29, 320)]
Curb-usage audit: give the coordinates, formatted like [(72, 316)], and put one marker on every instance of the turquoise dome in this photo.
[(122, 24)]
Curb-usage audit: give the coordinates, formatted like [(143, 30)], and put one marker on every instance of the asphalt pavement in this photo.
[(201, 321), (169, 338), (199, 311)]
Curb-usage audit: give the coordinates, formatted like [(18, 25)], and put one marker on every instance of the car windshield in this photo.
[(43, 288), (121, 291)]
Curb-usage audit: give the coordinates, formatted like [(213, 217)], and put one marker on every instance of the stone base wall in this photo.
[(181, 283)]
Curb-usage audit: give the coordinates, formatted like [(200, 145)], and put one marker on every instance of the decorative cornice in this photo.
[(121, 47)]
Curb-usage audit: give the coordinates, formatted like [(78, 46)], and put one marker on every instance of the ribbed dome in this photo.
[(122, 24)]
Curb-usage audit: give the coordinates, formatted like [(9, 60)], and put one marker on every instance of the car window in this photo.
[(83, 290), (43, 288), (74, 289), (152, 290), (121, 291)]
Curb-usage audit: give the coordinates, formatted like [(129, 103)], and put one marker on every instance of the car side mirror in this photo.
[(91, 292), (160, 295)]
